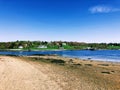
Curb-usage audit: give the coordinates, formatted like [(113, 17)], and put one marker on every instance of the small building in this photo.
[(57, 44), (88, 48), (64, 44), (42, 46), (20, 47)]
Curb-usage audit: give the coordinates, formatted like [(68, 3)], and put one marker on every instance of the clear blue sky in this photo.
[(66, 20)]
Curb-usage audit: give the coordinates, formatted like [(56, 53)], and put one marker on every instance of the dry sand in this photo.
[(16, 74), (24, 74)]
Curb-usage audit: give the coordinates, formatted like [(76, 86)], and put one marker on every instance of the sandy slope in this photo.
[(16, 74)]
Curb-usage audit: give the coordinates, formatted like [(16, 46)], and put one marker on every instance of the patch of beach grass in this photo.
[(104, 64)]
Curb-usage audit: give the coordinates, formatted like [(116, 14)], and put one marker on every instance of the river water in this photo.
[(101, 55)]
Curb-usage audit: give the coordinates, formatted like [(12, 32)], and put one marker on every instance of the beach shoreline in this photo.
[(63, 73), (99, 73)]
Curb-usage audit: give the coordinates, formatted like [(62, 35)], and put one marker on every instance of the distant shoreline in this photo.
[(52, 49)]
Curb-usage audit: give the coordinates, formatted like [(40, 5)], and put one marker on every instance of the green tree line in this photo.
[(57, 45)]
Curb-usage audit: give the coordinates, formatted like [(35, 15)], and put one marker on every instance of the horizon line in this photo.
[(56, 41)]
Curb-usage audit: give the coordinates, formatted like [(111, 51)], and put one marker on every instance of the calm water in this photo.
[(102, 55)]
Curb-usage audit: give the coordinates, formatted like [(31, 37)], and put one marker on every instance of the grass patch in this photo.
[(104, 64), (78, 64), (10, 55), (57, 61), (53, 61), (106, 72), (88, 64)]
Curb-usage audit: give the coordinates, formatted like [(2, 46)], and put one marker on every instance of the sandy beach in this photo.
[(57, 73)]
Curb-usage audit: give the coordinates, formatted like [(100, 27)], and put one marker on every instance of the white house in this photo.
[(64, 44), (42, 46), (88, 48), (20, 47)]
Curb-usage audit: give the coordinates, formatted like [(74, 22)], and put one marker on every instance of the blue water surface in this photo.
[(101, 55)]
